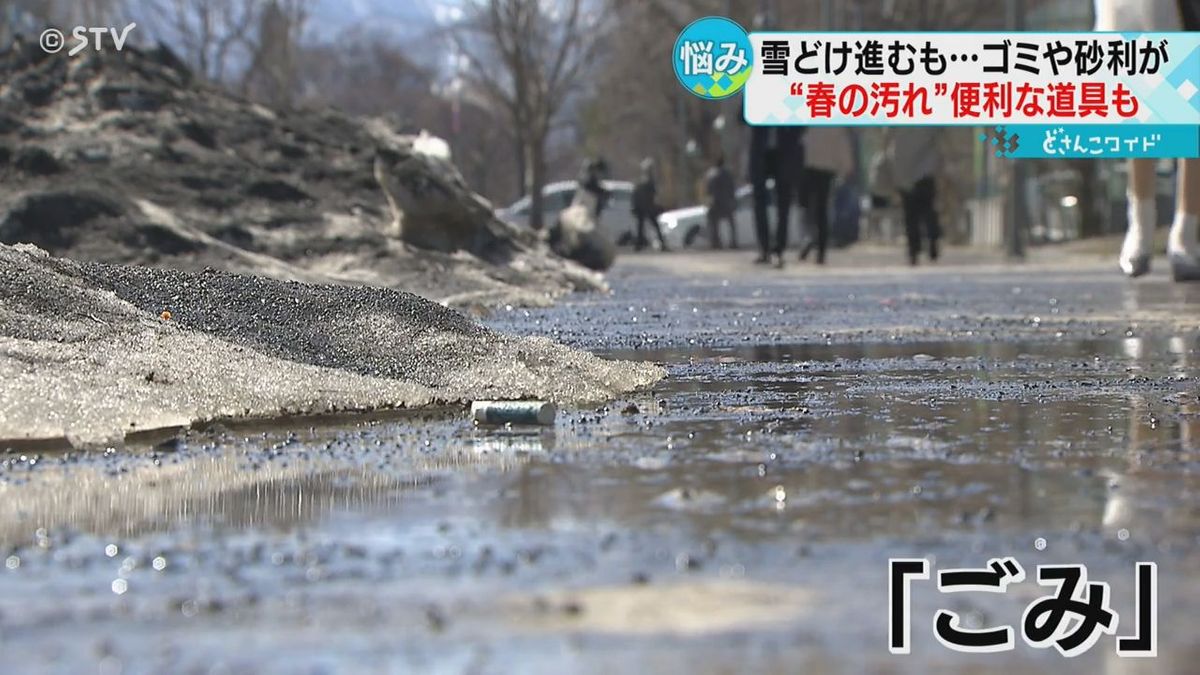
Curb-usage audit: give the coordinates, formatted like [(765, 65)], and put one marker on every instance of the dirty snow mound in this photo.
[(124, 157), (92, 351)]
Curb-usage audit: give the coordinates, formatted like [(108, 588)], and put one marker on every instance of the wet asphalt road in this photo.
[(737, 518)]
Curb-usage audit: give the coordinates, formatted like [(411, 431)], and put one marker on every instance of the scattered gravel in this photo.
[(91, 352)]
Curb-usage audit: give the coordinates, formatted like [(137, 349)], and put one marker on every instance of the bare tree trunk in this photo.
[(537, 179), (272, 69), (522, 176), (529, 58)]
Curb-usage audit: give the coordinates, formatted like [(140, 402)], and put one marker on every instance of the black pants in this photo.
[(641, 231), (817, 185), (920, 213), (785, 169), (1189, 14), (714, 227)]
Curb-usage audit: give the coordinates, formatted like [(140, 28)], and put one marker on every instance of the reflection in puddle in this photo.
[(219, 491), (511, 442), (269, 481), (1131, 347)]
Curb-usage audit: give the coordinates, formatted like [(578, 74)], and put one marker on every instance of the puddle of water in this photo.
[(802, 466), (845, 441)]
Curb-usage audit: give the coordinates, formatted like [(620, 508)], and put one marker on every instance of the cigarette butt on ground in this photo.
[(513, 412)]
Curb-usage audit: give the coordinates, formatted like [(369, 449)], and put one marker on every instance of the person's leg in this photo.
[(933, 228), (714, 232), (641, 233), (1189, 187), (818, 205), (733, 242), (808, 187), (912, 230), (1139, 235), (803, 199), (662, 243), (789, 182), (1183, 249), (761, 229), (785, 189)]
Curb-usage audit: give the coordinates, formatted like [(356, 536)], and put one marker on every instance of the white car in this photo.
[(616, 220), (687, 227)]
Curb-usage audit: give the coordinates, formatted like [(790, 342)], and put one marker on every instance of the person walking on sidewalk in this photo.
[(645, 206), (915, 161), (1183, 249), (776, 153), (721, 192), (829, 157), (591, 180)]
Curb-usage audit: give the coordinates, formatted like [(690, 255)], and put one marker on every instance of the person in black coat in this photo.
[(722, 203), (591, 179), (775, 153), (645, 206)]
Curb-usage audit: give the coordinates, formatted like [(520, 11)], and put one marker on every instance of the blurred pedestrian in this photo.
[(845, 219), (591, 179), (915, 161), (721, 192), (777, 156), (645, 206), (1183, 250), (829, 157)]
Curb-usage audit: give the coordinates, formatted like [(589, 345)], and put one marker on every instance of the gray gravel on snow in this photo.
[(86, 354)]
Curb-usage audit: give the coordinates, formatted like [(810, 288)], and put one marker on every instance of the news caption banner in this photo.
[(1037, 95)]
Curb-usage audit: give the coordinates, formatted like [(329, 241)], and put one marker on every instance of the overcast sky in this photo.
[(405, 20)]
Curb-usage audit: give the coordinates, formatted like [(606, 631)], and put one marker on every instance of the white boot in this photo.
[(1139, 238), (1183, 250)]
